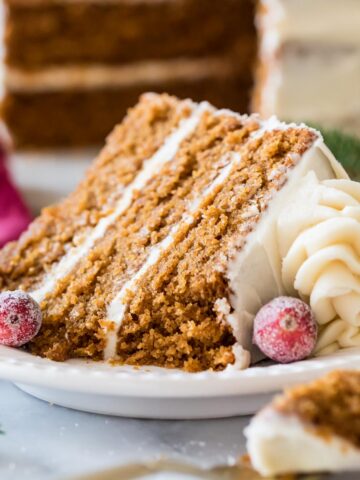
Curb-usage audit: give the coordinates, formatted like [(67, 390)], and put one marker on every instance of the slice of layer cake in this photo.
[(168, 248), (310, 428)]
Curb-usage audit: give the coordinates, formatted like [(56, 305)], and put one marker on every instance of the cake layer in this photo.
[(133, 266), (40, 34), (84, 117), (118, 165)]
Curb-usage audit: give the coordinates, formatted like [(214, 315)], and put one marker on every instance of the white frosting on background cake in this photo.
[(279, 443), (330, 21), (310, 52), (321, 85)]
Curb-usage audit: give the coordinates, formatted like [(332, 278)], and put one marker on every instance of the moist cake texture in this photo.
[(310, 428), (150, 261), (85, 62)]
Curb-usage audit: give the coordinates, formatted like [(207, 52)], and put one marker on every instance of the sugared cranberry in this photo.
[(20, 318), (285, 330)]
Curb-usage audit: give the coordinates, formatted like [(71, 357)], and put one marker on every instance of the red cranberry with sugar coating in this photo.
[(285, 330), (20, 318)]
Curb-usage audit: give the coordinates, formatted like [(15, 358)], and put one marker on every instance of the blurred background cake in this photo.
[(73, 67)]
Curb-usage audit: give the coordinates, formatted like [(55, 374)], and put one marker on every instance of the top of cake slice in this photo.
[(314, 427), (175, 238)]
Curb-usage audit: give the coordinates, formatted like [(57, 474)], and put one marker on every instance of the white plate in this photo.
[(160, 393)]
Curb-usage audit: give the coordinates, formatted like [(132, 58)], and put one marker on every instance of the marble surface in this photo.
[(45, 442)]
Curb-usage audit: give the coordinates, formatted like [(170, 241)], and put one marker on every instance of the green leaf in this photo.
[(345, 148)]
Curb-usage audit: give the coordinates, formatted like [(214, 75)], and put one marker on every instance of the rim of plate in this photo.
[(104, 379)]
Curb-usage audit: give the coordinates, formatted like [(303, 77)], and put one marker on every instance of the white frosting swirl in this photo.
[(319, 238)]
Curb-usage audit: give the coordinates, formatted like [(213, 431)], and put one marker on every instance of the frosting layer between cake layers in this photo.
[(150, 168), (55, 79)]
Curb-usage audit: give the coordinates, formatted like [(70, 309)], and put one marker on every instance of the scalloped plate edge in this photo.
[(104, 379)]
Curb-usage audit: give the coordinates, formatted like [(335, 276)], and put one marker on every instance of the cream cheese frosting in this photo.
[(256, 272), (319, 238), (279, 443)]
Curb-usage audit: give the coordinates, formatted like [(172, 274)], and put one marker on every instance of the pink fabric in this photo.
[(14, 216)]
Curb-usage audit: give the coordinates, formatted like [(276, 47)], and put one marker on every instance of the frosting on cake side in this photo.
[(256, 271)]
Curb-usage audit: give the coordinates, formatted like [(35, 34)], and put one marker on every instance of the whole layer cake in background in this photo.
[(187, 223), (309, 62), (74, 67)]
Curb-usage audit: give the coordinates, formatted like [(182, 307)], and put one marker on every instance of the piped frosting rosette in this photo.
[(319, 237)]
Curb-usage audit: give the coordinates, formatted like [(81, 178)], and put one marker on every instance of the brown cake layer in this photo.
[(69, 118), (41, 34), (331, 405), (172, 317), (140, 135)]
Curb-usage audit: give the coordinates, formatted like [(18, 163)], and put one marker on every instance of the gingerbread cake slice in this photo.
[(167, 249), (309, 428)]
